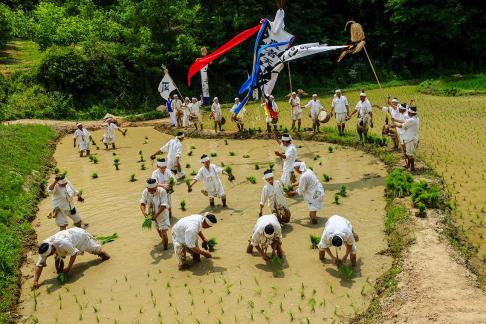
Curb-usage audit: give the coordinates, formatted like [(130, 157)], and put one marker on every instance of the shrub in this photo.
[(399, 183), (314, 239), (423, 194)]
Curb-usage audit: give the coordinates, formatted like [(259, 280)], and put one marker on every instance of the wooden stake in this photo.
[(290, 77)]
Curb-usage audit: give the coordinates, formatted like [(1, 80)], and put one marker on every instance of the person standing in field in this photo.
[(170, 109), (296, 111), (174, 154), (392, 112), (83, 138), (411, 128), (185, 235), (271, 113), (340, 108), (239, 117), (154, 204), (338, 230), (177, 107), (402, 117), (195, 112), (315, 109), (288, 156), (63, 193), (109, 136), (365, 116), (217, 114), (274, 196), (71, 242), (213, 187), (165, 179), (185, 112), (309, 187), (267, 232)]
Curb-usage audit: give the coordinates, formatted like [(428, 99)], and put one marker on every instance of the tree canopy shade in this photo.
[(117, 47)]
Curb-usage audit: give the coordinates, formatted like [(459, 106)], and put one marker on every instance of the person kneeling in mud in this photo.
[(273, 194), (267, 232), (185, 235), (63, 207), (338, 230), (71, 242), (213, 187), (154, 203)]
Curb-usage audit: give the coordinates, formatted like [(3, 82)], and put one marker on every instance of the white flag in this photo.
[(204, 82), (166, 86)]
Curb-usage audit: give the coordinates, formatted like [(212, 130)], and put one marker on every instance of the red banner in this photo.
[(202, 62)]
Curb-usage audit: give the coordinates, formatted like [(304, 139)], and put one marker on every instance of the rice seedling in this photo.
[(330, 149), (270, 166), (225, 142), (281, 307), (229, 170), (183, 204), (212, 243), (337, 199), (325, 177), (95, 159), (346, 271), (97, 148), (56, 170), (288, 188), (213, 154), (343, 192), (107, 239), (222, 164), (312, 304), (246, 156), (188, 166), (142, 166), (251, 179), (257, 166), (147, 224), (291, 316), (61, 278), (315, 240), (116, 163), (189, 153), (276, 265), (193, 173), (231, 153), (192, 147), (132, 178)]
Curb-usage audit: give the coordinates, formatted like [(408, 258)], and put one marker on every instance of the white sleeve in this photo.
[(191, 238), (165, 148), (346, 101), (67, 247), (199, 175), (218, 169), (349, 239), (255, 238), (263, 197), (143, 199), (302, 185), (178, 152), (324, 243), (164, 201), (308, 104)]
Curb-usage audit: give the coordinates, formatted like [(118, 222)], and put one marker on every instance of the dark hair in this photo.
[(404, 105), (179, 134), (43, 247), (204, 156), (337, 241), (60, 177), (151, 181), (267, 171), (269, 229), (161, 160), (212, 218), (414, 109)]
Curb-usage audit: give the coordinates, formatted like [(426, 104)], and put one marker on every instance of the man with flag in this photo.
[(166, 87), (271, 113)]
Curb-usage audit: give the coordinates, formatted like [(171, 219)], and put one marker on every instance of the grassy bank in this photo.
[(26, 152), (457, 85)]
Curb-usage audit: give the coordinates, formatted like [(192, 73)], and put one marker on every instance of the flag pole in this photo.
[(290, 77), (177, 88), (377, 80)]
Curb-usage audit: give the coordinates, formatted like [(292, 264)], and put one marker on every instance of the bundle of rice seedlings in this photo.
[(142, 166), (94, 175), (107, 239), (343, 192), (213, 154), (232, 153), (193, 173), (188, 166), (183, 205), (330, 149), (257, 166), (189, 153), (229, 170), (325, 177), (57, 170), (276, 265), (147, 223), (225, 142), (337, 198), (346, 271), (211, 244), (287, 188), (314, 239), (251, 179), (193, 147)]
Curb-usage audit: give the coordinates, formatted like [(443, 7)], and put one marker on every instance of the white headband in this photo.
[(268, 235), (362, 94), (204, 159), (286, 138), (161, 164), (180, 136), (78, 124), (314, 95), (300, 166), (267, 176), (338, 90), (394, 101), (208, 221), (63, 181), (152, 185)]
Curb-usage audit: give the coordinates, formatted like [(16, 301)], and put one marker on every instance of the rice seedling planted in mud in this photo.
[(325, 177), (343, 192), (257, 166), (337, 198), (132, 178), (231, 153), (94, 175), (246, 156), (251, 179), (330, 149), (193, 173), (346, 271), (183, 204), (276, 265), (213, 154), (314, 239), (142, 166), (116, 163), (189, 153), (212, 243)]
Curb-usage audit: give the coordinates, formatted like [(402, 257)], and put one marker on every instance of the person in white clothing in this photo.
[(309, 187), (71, 242), (340, 108), (267, 232), (288, 156), (296, 110), (186, 112), (195, 112), (217, 114), (238, 118), (410, 136), (154, 204), (338, 230), (83, 138), (109, 136), (315, 109), (63, 193), (365, 116), (274, 196), (213, 187), (271, 112), (392, 114), (174, 154), (185, 234), (176, 106), (165, 179)]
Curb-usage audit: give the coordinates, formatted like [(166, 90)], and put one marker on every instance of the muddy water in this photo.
[(141, 283)]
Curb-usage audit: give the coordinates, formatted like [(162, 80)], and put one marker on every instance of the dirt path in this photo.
[(435, 285)]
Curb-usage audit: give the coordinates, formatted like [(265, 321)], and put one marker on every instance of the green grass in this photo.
[(455, 85), (23, 165), (19, 55)]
